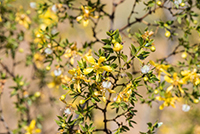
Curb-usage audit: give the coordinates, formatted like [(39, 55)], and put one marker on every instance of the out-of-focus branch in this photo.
[(138, 20), (2, 82), (7, 70), (112, 16)]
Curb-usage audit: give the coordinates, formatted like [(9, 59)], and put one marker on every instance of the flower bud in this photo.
[(117, 47), (196, 101), (63, 125), (37, 94), (96, 93), (81, 102), (21, 83), (167, 34), (114, 41), (153, 48), (63, 97), (156, 91), (159, 3), (145, 78), (48, 68), (184, 55), (182, 4), (195, 21), (21, 50)]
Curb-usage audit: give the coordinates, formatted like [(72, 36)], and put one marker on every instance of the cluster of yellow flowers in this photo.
[(87, 12), (72, 52), (125, 94), (77, 76), (23, 19), (31, 128), (168, 100), (147, 35), (96, 66), (160, 68), (176, 81)]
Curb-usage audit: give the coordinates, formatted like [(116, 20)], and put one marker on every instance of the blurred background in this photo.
[(175, 121)]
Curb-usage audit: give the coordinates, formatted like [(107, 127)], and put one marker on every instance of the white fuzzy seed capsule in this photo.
[(145, 69), (48, 51), (67, 111), (33, 5), (54, 8), (57, 72), (106, 84), (185, 107)]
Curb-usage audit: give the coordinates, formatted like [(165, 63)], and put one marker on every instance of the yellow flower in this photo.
[(71, 53), (87, 13), (192, 75), (167, 34), (96, 67), (176, 81), (23, 19), (147, 34), (77, 76), (31, 128), (184, 55), (38, 60), (125, 94), (56, 82), (65, 79), (0, 18), (106, 85), (160, 68), (48, 18), (117, 47), (39, 37), (168, 100)]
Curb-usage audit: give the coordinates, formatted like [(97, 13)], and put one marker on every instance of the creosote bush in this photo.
[(101, 75)]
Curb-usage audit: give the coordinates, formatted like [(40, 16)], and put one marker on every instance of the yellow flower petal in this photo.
[(172, 104), (159, 98), (72, 71), (87, 70), (169, 88), (118, 99), (180, 89), (0, 19), (90, 59), (72, 60), (79, 18), (107, 68), (104, 99), (85, 22), (161, 69), (51, 84), (38, 130), (152, 63), (168, 79), (79, 87), (32, 124), (125, 99), (101, 59), (111, 91), (161, 107), (175, 76), (185, 72)]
